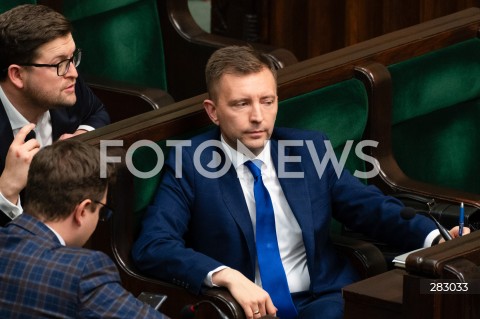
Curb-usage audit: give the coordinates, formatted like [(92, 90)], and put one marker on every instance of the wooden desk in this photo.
[(377, 297), (406, 293)]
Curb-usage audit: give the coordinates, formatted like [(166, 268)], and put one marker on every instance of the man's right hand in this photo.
[(14, 176), (255, 301)]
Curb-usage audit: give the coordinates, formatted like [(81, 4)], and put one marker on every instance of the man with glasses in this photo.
[(44, 272), (42, 97)]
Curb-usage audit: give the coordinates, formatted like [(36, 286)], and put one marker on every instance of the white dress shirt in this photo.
[(289, 234)]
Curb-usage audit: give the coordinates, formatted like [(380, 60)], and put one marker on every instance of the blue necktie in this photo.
[(274, 280)]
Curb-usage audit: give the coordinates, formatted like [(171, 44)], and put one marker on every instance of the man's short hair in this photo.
[(239, 60), (61, 176), (25, 28)]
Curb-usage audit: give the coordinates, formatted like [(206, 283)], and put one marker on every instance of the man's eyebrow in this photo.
[(269, 96), (236, 101), (64, 56)]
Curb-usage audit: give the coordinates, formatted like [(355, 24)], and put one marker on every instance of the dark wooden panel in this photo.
[(309, 28)]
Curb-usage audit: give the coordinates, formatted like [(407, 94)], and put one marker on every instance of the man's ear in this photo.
[(81, 210), (211, 109), (16, 75)]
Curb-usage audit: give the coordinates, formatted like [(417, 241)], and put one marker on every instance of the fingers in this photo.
[(254, 301), (261, 309), (22, 146), (65, 136), (255, 314), (455, 231), (68, 135), (22, 134), (17, 163), (270, 309)]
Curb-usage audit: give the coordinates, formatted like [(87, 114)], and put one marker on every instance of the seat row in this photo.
[(414, 93), (148, 43)]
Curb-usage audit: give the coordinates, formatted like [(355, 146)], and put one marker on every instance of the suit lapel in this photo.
[(57, 124), (6, 136), (297, 195), (234, 200)]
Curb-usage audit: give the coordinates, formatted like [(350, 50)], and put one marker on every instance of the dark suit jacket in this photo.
[(88, 110), (197, 224), (40, 278)]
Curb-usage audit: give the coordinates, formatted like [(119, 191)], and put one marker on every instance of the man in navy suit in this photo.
[(44, 272), (39, 90), (201, 229)]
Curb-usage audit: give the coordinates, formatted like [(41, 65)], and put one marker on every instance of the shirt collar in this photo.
[(60, 239), (42, 129), (17, 120), (239, 159)]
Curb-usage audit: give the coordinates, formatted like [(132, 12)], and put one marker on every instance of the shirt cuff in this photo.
[(10, 209), (208, 280), (87, 128), (428, 241)]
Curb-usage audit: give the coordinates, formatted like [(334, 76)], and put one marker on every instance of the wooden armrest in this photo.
[(124, 100), (458, 258), (367, 259)]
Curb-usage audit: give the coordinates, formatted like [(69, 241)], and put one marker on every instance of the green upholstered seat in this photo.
[(121, 40), (339, 110), (436, 113)]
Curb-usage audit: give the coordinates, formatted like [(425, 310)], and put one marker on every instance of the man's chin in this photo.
[(65, 104), (256, 147)]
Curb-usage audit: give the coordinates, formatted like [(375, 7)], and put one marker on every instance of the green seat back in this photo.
[(436, 109), (6, 5), (339, 110), (120, 39), (145, 159)]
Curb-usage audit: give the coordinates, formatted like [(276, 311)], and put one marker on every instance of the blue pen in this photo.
[(461, 220)]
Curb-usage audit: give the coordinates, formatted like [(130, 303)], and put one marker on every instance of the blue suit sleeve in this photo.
[(365, 209), (161, 249)]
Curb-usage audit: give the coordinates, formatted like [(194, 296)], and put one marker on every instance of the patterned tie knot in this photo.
[(254, 167)]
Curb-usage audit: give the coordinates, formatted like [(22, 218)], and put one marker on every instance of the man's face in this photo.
[(42, 86), (245, 108)]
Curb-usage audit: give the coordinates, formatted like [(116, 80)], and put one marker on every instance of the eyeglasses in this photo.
[(105, 212), (62, 66)]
